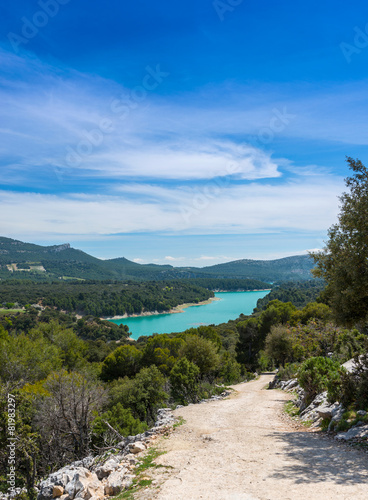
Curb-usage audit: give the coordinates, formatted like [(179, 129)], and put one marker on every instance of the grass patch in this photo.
[(144, 482), (147, 461), (11, 311), (127, 495), (325, 423), (291, 409), (306, 423), (179, 422), (139, 482)]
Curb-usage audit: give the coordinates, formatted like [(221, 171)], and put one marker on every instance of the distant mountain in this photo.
[(288, 268), (26, 260)]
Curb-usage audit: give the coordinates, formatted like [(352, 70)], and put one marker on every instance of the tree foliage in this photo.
[(201, 352), (143, 394), (315, 375), (124, 361), (117, 419), (279, 345), (184, 381), (343, 263)]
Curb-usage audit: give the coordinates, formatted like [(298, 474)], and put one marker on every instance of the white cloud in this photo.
[(174, 259), (54, 122), (307, 205)]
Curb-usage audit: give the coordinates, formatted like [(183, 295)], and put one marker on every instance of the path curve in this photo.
[(241, 449)]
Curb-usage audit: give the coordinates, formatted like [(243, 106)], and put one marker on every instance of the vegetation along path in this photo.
[(243, 448)]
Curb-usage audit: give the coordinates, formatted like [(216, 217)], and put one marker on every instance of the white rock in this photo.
[(354, 432), (137, 447), (106, 469), (115, 482), (327, 411), (85, 486)]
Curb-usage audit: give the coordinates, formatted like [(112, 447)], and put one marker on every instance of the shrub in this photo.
[(124, 361), (143, 394), (201, 352), (120, 419), (184, 381), (352, 388), (279, 344), (264, 361), (315, 374), (230, 371), (289, 371)]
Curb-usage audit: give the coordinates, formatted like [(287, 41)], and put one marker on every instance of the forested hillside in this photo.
[(104, 299), (289, 268), (300, 293), (35, 262)]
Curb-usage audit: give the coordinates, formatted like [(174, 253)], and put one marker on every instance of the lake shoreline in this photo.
[(232, 291), (229, 307), (175, 310)]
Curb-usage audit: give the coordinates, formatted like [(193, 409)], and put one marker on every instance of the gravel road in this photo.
[(242, 448)]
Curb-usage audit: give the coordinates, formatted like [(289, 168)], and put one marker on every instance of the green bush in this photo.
[(315, 375), (279, 344), (184, 381), (143, 394), (289, 371), (201, 352), (124, 361), (352, 388), (230, 371), (121, 419)]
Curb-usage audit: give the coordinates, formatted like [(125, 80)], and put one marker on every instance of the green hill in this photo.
[(44, 263), (288, 268)]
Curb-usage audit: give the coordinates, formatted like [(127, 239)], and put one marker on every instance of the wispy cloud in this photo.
[(251, 208), (185, 164), (182, 138)]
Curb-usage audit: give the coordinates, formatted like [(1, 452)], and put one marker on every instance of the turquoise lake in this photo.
[(230, 306)]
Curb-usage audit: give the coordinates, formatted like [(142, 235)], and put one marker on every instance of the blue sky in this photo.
[(179, 132)]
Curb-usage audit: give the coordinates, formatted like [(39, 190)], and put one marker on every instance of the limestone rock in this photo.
[(45, 493), (327, 411), (85, 486), (106, 469), (164, 417), (337, 414), (57, 491), (137, 447), (115, 482), (354, 432), (349, 365)]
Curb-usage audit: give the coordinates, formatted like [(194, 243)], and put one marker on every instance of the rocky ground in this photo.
[(245, 448)]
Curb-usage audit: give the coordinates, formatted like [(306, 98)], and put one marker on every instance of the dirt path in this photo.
[(241, 449)]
